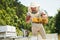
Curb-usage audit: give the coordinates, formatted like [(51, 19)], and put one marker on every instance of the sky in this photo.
[(50, 6)]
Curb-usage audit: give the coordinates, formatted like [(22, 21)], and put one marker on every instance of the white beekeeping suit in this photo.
[(34, 16)]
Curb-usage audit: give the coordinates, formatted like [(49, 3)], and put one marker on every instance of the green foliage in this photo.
[(50, 28), (57, 22), (19, 33), (12, 13)]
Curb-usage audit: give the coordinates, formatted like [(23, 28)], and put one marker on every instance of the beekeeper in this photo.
[(37, 18)]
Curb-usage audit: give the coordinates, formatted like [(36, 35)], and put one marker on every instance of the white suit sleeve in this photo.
[(42, 11)]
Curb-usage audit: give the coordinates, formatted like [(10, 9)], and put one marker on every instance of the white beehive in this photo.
[(7, 31)]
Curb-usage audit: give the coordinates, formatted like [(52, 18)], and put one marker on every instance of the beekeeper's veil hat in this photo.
[(33, 4)]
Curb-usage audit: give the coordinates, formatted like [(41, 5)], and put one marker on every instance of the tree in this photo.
[(57, 22)]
